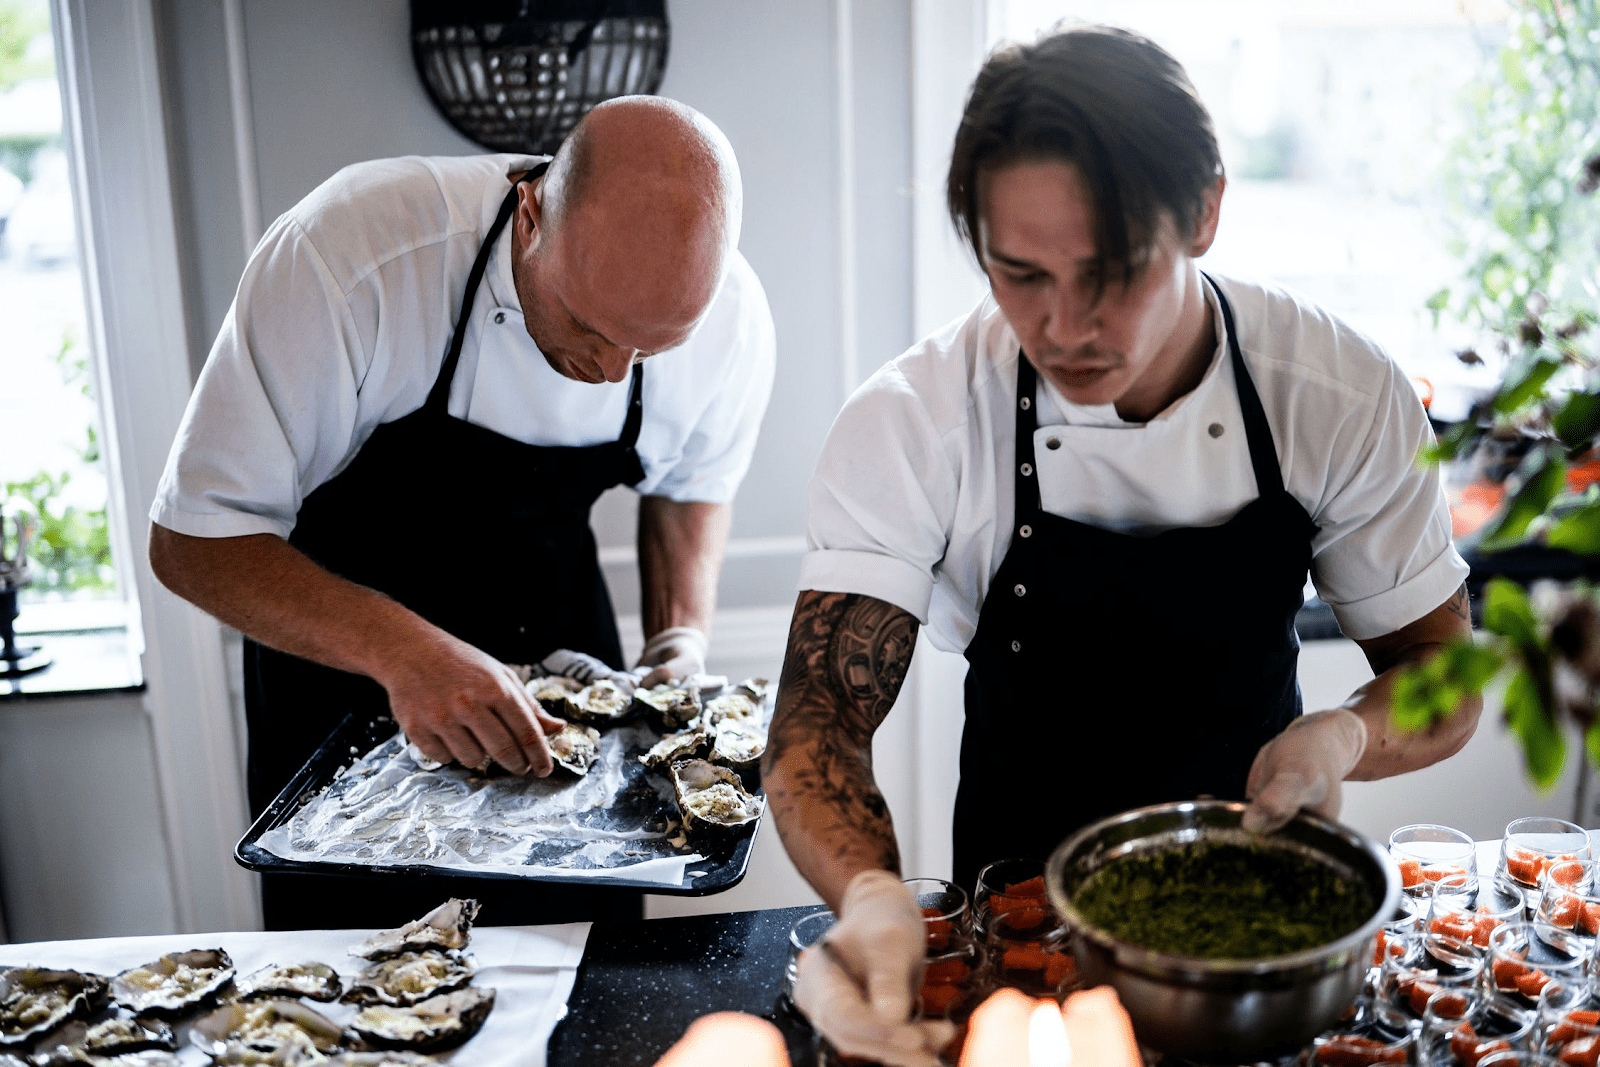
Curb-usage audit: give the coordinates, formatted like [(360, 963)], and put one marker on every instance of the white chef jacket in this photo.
[(912, 499), (343, 318)]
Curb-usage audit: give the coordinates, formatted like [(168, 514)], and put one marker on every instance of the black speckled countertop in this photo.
[(642, 983)]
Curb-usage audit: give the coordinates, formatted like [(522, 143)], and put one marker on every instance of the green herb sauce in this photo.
[(1223, 901)]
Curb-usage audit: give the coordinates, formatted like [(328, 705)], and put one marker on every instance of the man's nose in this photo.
[(615, 363), (1072, 317)]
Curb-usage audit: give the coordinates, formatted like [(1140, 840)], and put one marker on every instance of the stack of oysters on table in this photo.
[(711, 751), (414, 997)]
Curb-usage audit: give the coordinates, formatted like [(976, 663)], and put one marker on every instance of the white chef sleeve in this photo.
[(735, 355), (273, 413), (1383, 555), (880, 505)]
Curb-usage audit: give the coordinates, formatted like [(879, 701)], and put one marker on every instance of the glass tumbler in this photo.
[(806, 932), (1005, 885), (1428, 852), (1533, 844), (1525, 957), (1569, 898)]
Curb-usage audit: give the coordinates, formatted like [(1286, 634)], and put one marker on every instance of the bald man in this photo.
[(431, 370)]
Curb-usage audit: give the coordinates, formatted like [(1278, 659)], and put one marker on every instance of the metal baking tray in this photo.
[(723, 868)]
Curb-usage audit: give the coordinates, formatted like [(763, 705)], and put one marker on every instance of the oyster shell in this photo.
[(600, 703), (552, 691), (317, 981), (687, 744), (174, 983), (447, 926), (120, 1034), (668, 707), (409, 978), (34, 1001), (382, 1058), (739, 744), (711, 798), (735, 705), (575, 747), (273, 1030), (436, 1023), (757, 689)]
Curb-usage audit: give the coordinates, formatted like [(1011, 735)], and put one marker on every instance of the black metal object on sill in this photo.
[(15, 659), (517, 75)]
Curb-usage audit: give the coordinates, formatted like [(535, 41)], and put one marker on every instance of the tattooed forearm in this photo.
[(846, 661)]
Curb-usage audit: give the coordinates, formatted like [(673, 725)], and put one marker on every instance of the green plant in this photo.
[(1529, 238)]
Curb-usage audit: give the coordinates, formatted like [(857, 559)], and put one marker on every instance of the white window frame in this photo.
[(115, 124)]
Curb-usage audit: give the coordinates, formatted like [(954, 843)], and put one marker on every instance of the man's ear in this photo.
[(1205, 229), (530, 210)]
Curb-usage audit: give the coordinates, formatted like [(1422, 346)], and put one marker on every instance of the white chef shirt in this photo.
[(343, 318), (912, 499)]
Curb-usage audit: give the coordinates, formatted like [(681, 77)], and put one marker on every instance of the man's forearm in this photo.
[(847, 658), (680, 560)]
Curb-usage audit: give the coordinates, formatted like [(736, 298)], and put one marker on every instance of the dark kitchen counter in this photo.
[(642, 983)]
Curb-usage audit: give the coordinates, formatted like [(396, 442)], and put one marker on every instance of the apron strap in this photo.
[(1258, 432), (1025, 476), (439, 395), (630, 428)]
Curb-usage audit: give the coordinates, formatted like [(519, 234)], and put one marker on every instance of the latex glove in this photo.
[(584, 668), (858, 990), (1302, 768), (728, 1039), (674, 653)]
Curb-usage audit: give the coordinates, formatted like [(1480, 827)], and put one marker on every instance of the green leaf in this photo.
[(1506, 612), (1524, 382), (1542, 476), (1431, 692), (1591, 742), (1437, 303), (1543, 747), (1452, 444), (1578, 420), (1577, 532)]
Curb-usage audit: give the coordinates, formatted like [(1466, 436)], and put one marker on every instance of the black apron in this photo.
[(1110, 671), (485, 537)]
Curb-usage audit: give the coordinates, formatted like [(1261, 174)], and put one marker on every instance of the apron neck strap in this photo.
[(1258, 432), (439, 396)]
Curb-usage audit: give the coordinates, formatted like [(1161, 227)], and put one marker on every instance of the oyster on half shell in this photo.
[(437, 1023), (686, 744), (274, 1030), (711, 798), (445, 927), (552, 691), (575, 747), (600, 703), (382, 1058), (316, 981), (734, 705), (120, 1034), (34, 1001), (409, 978), (669, 707), (739, 744), (174, 983)]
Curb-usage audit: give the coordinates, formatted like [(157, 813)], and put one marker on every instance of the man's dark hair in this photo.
[(1115, 106)]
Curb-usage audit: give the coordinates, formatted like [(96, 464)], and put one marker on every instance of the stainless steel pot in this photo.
[(1222, 1011)]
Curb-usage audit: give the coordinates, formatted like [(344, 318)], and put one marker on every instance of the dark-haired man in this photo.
[(432, 369), (1106, 485)]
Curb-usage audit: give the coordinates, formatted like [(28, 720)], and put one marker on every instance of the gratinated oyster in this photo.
[(757, 689), (274, 1030), (382, 1058), (445, 927), (687, 744), (739, 744), (437, 1023), (175, 983), (600, 703), (409, 978), (575, 747), (75, 1042), (316, 981), (34, 1001), (552, 691), (735, 705), (711, 798), (669, 707)]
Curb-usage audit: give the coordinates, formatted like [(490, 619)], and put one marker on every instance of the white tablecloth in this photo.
[(531, 969)]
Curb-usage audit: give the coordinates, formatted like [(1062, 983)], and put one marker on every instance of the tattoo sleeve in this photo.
[(846, 661)]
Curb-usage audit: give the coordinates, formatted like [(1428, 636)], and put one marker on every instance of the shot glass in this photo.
[(1006, 885), (945, 913), (1452, 915), (1569, 1015), (1532, 844), (1409, 990), (1519, 1058), (1461, 1029), (1569, 898), (1028, 950), (1428, 852), (806, 932), (1525, 957), (1398, 937)]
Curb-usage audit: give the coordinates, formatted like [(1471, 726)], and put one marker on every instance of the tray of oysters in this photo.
[(654, 788), (411, 997)]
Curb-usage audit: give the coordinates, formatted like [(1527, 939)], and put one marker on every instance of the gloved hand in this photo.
[(584, 668), (674, 653), (1302, 768), (857, 991)]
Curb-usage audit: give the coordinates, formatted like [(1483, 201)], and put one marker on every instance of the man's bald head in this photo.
[(635, 219)]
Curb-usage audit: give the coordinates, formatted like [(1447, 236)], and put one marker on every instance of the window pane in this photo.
[(49, 424)]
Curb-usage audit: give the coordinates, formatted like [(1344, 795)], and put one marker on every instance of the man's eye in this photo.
[(1030, 277)]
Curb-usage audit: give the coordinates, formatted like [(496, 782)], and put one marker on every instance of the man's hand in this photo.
[(674, 653), (858, 990), (458, 703), (1303, 767)]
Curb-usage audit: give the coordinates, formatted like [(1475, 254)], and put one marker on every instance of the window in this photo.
[(1335, 118), (50, 438)]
